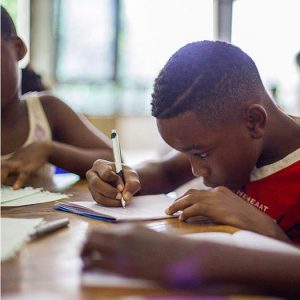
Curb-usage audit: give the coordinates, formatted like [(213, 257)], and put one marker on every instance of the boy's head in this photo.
[(210, 104), (209, 77), (12, 50)]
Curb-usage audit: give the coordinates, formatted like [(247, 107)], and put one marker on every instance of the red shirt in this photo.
[(275, 189)]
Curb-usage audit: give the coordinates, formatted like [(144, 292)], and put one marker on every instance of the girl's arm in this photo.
[(76, 143)]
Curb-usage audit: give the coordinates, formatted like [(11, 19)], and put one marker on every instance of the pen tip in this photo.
[(123, 202)]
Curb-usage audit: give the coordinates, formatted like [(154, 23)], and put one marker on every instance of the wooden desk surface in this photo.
[(52, 263)]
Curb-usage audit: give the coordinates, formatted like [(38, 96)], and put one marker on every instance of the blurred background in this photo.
[(101, 56)]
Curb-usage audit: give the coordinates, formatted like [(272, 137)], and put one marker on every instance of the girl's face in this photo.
[(221, 155), (12, 50)]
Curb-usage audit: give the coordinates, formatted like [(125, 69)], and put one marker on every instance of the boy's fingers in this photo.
[(106, 201), (130, 189), (98, 241), (180, 204), (104, 262), (103, 173), (199, 193), (107, 174), (102, 187), (104, 169), (191, 211), (132, 184)]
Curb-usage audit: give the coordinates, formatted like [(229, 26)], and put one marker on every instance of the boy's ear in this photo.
[(256, 120), (20, 46)]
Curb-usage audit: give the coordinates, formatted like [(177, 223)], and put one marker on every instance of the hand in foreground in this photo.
[(223, 206), (143, 253), (190, 264), (25, 162), (107, 187)]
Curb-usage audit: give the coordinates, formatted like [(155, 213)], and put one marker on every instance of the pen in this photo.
[(48, 227), (117, 157)]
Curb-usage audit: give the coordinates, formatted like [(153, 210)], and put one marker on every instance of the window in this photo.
[(110, 51), (85, 38), (269, 32), (19, 11)]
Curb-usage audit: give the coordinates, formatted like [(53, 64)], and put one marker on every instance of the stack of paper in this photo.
[(14, 234), (140, 208), (27, 196)]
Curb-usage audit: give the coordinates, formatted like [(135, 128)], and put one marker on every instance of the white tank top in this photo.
[(39, 129)]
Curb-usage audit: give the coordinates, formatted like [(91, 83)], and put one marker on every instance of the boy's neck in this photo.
[(282, 138)]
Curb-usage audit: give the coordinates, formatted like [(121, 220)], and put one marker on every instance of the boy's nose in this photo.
[(199, 170)]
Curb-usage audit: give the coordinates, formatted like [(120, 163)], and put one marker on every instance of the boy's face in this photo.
[(11, 53), (223, 155)]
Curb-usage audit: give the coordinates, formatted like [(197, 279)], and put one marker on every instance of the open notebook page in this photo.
[(140, 208)]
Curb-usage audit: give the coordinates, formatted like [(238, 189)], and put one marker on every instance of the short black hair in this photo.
[(8, 28), (210, 77)]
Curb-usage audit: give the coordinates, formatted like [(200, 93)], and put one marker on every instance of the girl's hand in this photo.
[(24, 162)]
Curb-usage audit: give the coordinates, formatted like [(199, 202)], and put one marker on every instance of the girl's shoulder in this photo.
[(53, 106)]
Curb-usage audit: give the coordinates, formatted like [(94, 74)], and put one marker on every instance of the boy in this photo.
[(40, 128), (211, 106)]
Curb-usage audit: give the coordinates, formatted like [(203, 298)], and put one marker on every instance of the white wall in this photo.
[(140, 139), (42, 39)]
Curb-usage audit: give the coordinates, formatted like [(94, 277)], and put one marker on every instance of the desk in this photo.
[(52, 263)]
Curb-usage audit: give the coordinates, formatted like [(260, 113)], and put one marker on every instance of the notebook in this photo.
[(27, 196), (140, 208)]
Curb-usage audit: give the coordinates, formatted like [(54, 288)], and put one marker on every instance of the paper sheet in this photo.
[(32, 295), (107, 279), (141, 208), (27, 196), (9, 194), (246, 239), (14, 234)]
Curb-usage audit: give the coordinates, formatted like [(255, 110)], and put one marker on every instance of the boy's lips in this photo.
[(209, 183)]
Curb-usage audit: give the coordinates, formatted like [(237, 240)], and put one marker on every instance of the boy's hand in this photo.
[(24, 162), (223, 206), (154, 256), (107, 187)]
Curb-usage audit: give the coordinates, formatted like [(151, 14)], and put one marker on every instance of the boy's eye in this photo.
[(202, 154)]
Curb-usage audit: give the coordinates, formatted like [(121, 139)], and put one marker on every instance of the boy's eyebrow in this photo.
[(193, 147)]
